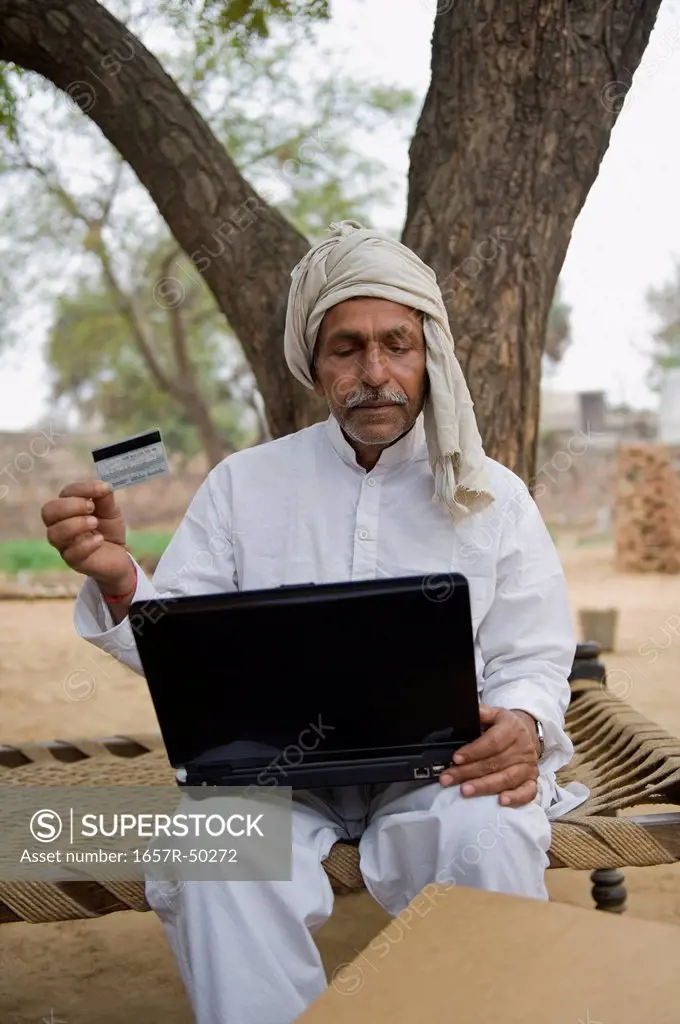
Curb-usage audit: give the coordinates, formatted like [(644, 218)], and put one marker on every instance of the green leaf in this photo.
[(664, 304), (244, 22), (9, 74)]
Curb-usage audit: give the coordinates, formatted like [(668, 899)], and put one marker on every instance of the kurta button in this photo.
[(371, 481), (363, 534)]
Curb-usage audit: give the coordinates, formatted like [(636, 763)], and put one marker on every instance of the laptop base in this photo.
[(423, 766)]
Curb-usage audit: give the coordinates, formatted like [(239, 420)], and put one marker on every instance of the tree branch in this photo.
[(243, 248), (126, 306), (123, 303), (178, 336), (112, 192)]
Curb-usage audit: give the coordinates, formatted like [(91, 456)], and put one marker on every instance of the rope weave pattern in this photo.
[(624, 758)]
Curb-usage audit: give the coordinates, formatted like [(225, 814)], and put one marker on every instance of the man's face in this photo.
[(370, 367)]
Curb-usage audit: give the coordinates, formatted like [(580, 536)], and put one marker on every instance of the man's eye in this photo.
[(344, 351)]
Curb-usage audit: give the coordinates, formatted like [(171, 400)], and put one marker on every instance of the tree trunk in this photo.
[(518, 116), (523, 98), (213, 445), (243, 248)]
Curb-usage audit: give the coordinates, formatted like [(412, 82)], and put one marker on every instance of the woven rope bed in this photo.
[(624, 758)]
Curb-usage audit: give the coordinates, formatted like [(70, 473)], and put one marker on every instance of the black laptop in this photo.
[(313, 685)]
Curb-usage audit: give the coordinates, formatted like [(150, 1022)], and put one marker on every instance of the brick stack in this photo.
[(646, 516)]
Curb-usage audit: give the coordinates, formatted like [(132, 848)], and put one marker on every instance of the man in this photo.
[(394, 483)]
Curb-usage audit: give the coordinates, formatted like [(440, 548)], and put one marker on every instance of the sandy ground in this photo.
[(119, 969)]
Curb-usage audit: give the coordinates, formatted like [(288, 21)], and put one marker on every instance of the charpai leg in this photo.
[(609, 890)]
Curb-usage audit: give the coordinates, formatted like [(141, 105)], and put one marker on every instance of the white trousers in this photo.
[(245, 949)]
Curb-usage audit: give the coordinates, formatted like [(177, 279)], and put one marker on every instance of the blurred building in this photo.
[(579, 432), (565, 413), (669, 407)]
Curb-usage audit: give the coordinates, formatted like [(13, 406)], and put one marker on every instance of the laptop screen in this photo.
[(313, 672)]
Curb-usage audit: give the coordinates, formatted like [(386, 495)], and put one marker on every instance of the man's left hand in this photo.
[(504, 760)]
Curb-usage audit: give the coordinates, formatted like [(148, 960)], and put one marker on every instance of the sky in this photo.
[(625, 240)]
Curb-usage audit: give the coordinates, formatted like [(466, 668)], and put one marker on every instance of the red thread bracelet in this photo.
[(119, 598)]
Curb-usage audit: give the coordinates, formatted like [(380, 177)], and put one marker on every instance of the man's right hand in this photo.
[(87, 528)]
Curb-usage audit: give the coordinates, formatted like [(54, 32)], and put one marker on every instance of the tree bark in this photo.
[(243, 248), (523, 98), (517, 118)]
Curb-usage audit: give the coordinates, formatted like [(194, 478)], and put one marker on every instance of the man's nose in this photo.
[(375, 367)]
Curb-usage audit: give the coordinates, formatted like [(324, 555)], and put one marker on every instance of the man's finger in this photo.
[(491, 765), (490, 744), (488, 715), (86, 489), (82, 548), (106, 507), (65, 533), (520, 796), (500, 782), (58, 509), (99, 492)]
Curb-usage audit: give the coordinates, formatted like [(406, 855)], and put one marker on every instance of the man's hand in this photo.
[(503, 760), (87, 528)]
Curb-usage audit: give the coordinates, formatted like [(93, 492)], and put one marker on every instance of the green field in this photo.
[(36, 555)]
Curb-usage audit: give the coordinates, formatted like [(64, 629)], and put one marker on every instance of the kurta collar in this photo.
[(410, 447)]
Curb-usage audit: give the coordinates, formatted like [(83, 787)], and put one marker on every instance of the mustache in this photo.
[(361, 394)]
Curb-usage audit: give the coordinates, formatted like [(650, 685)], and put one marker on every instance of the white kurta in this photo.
[(300, 509)]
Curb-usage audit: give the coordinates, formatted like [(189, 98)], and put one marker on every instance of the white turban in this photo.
[(355, 262)]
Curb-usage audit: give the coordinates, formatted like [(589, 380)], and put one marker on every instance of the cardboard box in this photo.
[(462, 956)]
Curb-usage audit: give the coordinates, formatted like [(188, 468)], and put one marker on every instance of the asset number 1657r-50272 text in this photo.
[(200, 856)]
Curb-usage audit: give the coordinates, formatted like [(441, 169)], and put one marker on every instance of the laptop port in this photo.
[(421, 773), (437, 769)]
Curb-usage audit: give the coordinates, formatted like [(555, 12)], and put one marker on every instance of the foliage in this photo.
[(148, 543), (99, 369), (36, 555), (239, 23), (9, 73), (243, 22), (558, 333), (106, 245), (664, 304), (304, 160)]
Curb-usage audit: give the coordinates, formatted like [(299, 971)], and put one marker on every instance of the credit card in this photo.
[(132, 461)]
